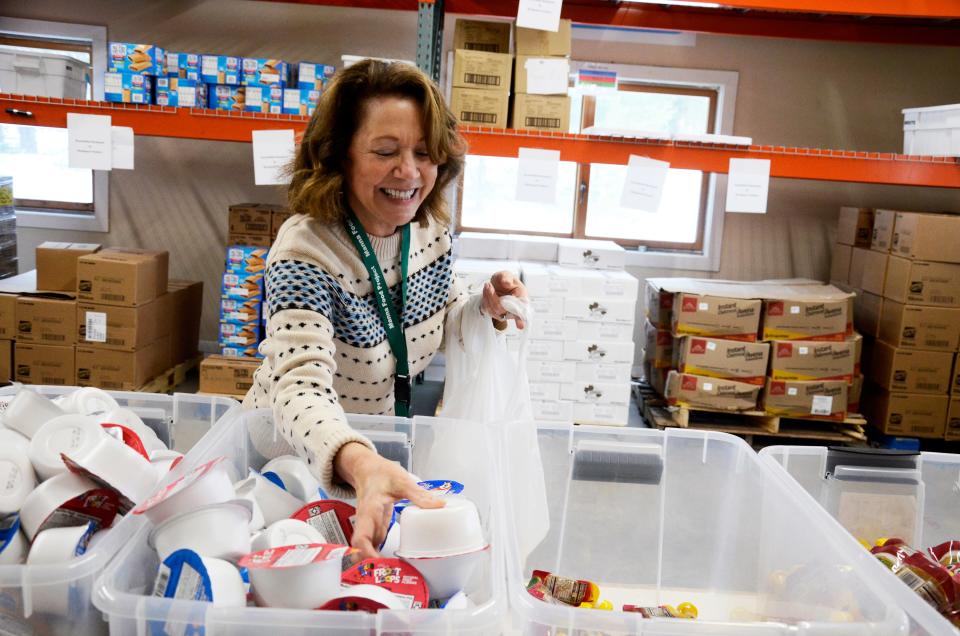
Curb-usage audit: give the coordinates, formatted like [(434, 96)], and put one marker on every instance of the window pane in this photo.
[(36, 158), (489, 198), (663, 113), (674, 222)]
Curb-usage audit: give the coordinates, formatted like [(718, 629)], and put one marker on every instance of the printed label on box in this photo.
[(96, 325)]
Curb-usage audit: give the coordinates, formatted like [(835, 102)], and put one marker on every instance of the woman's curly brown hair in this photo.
[(317, 181)]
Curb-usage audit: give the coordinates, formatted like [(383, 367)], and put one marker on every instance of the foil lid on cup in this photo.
[(127, 436), (436, 487), (394, 575), (331, 517), (291, 556)]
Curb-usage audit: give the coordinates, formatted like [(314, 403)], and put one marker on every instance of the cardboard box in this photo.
[(227, 376), (244, 240), (122, 370), (710, 393), (906, 414), (525, 247), (226, 97), (277, 218), (246, 259), (263, 99), (221, 69), (725, 359), (240, 335), (124, 328), (867, 309), (251, 219), (952, 432), (548, 308), (868, 270), (587, 351), (128, 88), (810, 360), (487, 247), (554, 329), (914, 327), (182, 93), (927, 237), (805, 319), (47, 320), (242, 286), (478, 35), (857, 340), (8, 316), (520, 73), (544, 391), (599, 309), (659, 305), (240, 311), (716, 317), (821, 400), (477, 69), (6, 361), (601, 414), (184, 66), (313, 76), (552, 411), (840, 264), (541, 112), (910, 370), (544, 43), (57, 264), (545, 350), (143, 59), (543, 279), (922, 282), (658, 347), (610, 373), (590, 253), (252, 351), (854, 391), (855, 227), (121, 276), (595, 392), (478, 107), (559, 372), (606, 331), (258, 71), (44, 364), (882, 235), (186, 303), (300, 101)]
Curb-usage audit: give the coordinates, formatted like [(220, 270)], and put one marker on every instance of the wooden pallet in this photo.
[(170, 379), (756, 423)]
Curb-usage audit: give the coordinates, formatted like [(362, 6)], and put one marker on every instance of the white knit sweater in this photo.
[(326, 351)]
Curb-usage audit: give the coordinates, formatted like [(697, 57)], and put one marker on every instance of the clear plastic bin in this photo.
[(872, 494), (43, 74), (431, 448), (55, 599), (664, 517)]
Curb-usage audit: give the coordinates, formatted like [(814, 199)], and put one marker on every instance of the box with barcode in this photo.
[(57, 264), (220, 69), (922, 282), (125, 328), (313, 76), (478, 107), (240, 311), (46, 320), (122, 370), (481, 35), (239, 335), (261, 71), (251, 219), (180, 93), (478, 69), (145, 59), (128, 88), (541, 112), (44, 364), (916, 327), (825, 399), (183, 65), (261, 98), (229, 375), (242, 286), (122, 276), (300, 101), (245, 259), (907, 414), (910, 370)]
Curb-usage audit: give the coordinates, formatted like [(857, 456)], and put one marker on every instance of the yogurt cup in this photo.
[(397, 577), (17, 478), (59, 545), (286, 532), (67, 500), (28, 411), (296, 577), (364, 598), (13, 546), (163, 461), (218, 531), (127, 418), (331, 517), (204, 486), (189, 576), (87, 401), (295, 477), (435, 532), (71, 434), (274, 502), (448, 575), (116, 465)]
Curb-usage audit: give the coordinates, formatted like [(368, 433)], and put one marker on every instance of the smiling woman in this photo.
[(359, 290)]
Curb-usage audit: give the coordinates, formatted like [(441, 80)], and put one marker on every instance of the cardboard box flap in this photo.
[(755, 290), (26, 282), (49, 295)]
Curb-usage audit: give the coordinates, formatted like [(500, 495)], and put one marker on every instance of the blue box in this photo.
[(240, 311), (300, 101), (184, 65), (314, 76), (221, 69), (224, 97), (247, 259), (264, 99), (242, 286), (263, 71), (240, 352), (175, 91), (128, 88), (239, 335), (144, 59)]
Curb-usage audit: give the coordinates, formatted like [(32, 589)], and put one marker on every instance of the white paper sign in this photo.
[(272, 151), (539, 14), (537, 175), (121, 147), (643, 185), (89, 141), (547, 75), (822, 405), (96, 326), (747, 185)]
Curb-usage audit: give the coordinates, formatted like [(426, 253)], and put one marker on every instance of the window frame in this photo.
[(96, 37)]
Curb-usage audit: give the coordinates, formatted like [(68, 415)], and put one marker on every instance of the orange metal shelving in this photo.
[(792, 163)]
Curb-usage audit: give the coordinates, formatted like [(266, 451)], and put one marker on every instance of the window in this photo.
[(57, 60), (683, 233)]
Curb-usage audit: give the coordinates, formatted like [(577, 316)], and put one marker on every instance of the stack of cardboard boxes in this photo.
[(482, 69), (537, 104), (788, 345), (8, 229), (905, 268)]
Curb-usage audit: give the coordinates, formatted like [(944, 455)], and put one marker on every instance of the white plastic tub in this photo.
[(178, 420), (913, 496), (431, 448), (43, 74), (658, 517), (934, 130)]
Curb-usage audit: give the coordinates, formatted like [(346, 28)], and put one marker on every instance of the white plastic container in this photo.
[(912, 496), (43, 74), (664, 517), (934, 130), (123, 591), (178, 420)]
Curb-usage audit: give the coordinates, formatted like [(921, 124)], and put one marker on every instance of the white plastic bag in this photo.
[(487, 383)]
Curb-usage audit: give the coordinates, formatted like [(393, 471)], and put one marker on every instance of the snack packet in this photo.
[(683, 610), (553, 588)]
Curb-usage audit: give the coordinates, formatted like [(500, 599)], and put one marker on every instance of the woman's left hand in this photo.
[(502, 284)]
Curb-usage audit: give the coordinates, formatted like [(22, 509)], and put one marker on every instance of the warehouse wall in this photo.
[(804, 93)]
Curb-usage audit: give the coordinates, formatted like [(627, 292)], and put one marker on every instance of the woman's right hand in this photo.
[(379, 484)]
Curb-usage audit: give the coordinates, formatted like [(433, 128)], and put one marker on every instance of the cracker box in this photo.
[(300, 101), (314, 76), (145, 59), (239, 335), (725, 359), (223, 97), (822, 400), (252, 351), (683, 389), (128, 88), (242, 286), (184, 65), (243, 259), (221, 69), (810, 360), (240, 311), (262, 71), (814, 319), (658, 348), (182, 93), (264, 99), (716, 316)]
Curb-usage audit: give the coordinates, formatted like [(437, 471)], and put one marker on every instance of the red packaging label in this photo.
[(775, 308), (394, 575), (688, 383), (98, 507), (689, 304), (698, 345), (123, 504), (173, 488), (778, 388), (784, 350), (666, 301), (331, 518), (128, 437), (664, 338), (291, 556), (352, 604)]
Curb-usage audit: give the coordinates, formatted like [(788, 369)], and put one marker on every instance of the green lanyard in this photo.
[(392, 323)]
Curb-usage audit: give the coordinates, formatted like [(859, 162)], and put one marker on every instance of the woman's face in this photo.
[(389, 172)]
